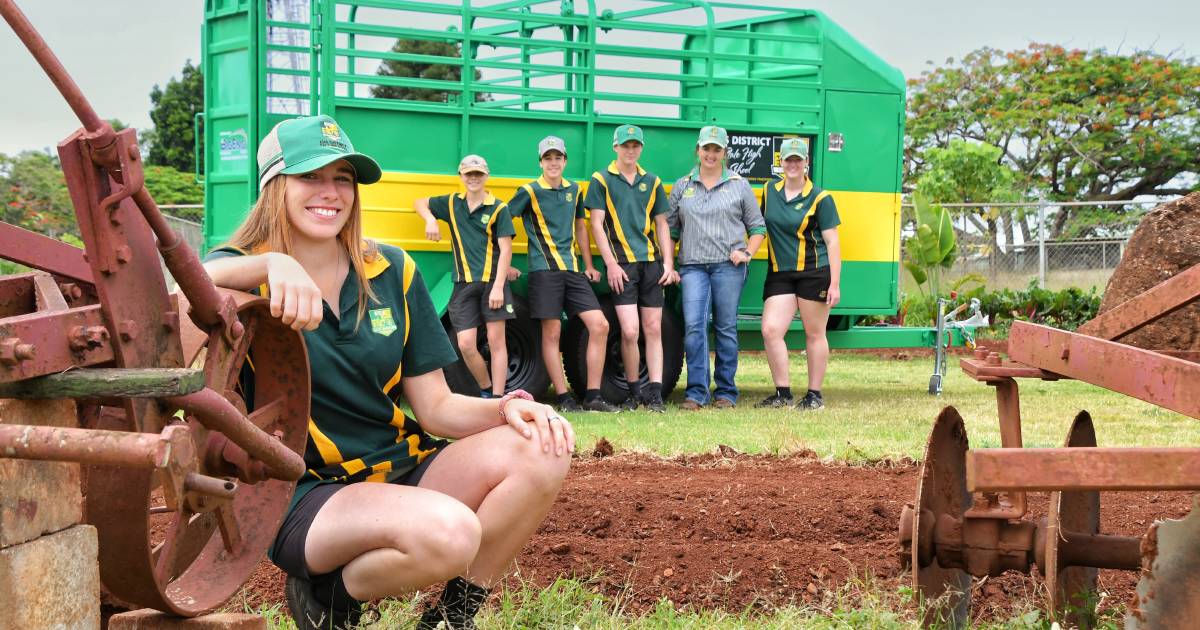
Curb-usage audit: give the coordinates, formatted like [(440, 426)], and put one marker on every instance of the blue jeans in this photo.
[(711, 289)]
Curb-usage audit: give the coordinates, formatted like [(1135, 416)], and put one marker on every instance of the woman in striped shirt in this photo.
[(716, 219)]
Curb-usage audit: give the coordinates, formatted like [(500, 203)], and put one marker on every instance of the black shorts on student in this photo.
[(551, 292), (810, 284), (288, 549), (641, 287), (469, 305)]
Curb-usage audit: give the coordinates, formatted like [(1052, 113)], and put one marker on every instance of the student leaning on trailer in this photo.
[(374, 342), (805, 273), (481, 232)]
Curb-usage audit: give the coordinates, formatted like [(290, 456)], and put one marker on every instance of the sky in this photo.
[(117, 51)]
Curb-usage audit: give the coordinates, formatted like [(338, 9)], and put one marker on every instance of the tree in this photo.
[(171, 142), (172, 187), (414, 70), (971, 172), (1078, 125), (33, 194)]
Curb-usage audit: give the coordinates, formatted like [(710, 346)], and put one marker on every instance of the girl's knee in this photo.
[(451, 536), (629, 334)]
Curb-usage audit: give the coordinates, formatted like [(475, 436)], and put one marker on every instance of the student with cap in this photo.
[(552, 210), (481, 232), (716, 219), (626, 203), (384, 508), (805, 273)]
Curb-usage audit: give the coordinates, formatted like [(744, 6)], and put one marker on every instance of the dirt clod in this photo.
[(603, 448), (1166, 243)]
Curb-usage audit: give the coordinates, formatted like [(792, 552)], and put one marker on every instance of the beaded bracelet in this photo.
[(516, 393)]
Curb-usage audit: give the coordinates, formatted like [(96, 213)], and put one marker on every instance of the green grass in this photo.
[(575, 605), (878, 409)]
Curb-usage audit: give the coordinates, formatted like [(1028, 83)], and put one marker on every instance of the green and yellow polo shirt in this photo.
[(474, 234), (549, 215), (629, 211), (357, 431), (794, 226)]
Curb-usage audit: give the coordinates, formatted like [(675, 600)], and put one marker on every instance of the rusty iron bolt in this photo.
[(993, 358), (12, 351), (81, 339), (70, 290), (124, 254), (128, 330)]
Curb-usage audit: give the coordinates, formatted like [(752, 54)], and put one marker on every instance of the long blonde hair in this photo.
[(267, 229)]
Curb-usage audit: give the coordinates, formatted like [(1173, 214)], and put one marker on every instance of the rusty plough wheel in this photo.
[(1070, 589), (945, 591), (1168, 595), (192, 559)]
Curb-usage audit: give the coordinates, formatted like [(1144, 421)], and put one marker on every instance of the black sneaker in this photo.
[(599, 404), (655, 404), (568, 404), (629, 404), (775, 400), (810, 402), (311, 614), (456, 609)]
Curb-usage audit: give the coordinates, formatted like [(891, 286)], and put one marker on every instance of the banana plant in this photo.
[(933, 247)]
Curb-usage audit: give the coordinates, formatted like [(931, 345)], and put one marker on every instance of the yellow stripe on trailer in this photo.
[(870, 229)]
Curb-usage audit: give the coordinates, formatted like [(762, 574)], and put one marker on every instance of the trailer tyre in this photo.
[(613, 385), (525, 368)]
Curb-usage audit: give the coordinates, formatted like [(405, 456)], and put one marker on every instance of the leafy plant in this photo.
[(933, 247)]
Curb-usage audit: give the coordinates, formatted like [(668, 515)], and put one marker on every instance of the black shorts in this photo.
[(810, 284), (287, 552), (469, 305), (551, 292), (642, 287)]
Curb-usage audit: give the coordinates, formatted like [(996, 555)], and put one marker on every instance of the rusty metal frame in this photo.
[(1045, 469)]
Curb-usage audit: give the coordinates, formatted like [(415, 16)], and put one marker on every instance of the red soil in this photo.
[(732, 531)]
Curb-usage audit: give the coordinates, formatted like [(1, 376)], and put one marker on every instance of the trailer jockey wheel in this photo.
[(191, 559), (942, 491), (1071, 589)]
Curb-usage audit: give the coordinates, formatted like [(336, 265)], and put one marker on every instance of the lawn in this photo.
[(878, 409)]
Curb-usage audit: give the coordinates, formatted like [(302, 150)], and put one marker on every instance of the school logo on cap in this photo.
[(382, 322), (330, 130)]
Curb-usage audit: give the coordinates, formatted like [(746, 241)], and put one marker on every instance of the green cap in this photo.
[(302, 145), (793, 147), (625, 133), (713, 135)]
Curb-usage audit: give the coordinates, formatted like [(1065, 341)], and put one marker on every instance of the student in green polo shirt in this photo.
[(384, 508), (627, 203), (805, 273), (481, 232), (552, 211)]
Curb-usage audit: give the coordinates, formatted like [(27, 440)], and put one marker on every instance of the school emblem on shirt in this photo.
[(382, 322), (569, 195), (797, 206), (484, 219), (642, 186), (508, 307), (690, 192)]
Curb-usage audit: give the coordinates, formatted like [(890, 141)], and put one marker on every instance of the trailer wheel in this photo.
[(613, 385), (525, 368)]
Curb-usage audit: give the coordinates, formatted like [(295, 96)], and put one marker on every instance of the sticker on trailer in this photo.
[(234, 144)]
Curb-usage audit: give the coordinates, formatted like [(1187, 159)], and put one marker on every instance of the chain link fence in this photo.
[(1054, 244)]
